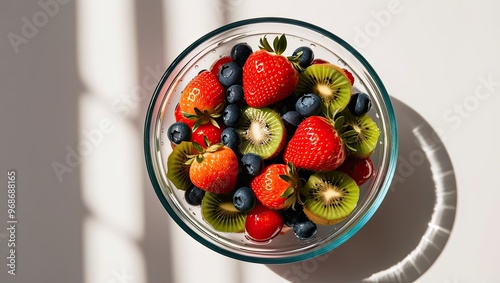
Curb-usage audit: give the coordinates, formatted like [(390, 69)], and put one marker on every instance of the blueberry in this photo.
[(231, 139), (308, 104), (234, 94), (291, 119), (292, 216), (194, 195), (230, 74), (305, 230), (240, 52), (306, 57), (253, 163), (244, 199), (179, 132), (360, 104), (231, 115)]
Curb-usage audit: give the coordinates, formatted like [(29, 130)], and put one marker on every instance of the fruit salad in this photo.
[(267, 141)]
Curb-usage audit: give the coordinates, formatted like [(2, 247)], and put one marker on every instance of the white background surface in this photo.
[(81, 76)]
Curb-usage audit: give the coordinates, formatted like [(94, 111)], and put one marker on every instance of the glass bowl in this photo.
[(285, 248)]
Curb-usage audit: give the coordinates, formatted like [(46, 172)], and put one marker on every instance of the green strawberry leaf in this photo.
[(264, 44), (286, 178), (280, 44), (212, 120), (198, 147), (288, 192), (196, 124)]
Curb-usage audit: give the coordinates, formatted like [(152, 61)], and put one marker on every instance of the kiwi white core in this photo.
[(258, 132), (324, 91), (331, 193)]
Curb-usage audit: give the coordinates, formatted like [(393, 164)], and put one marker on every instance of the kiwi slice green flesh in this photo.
[(330, 197), (177, 170), (329, 82), (218, 211), (359, 133), (262, 132)]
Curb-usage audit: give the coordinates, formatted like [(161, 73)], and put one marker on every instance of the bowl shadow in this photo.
[(411, 227)]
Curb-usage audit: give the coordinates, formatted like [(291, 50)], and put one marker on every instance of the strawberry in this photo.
[(217, 64), (319, 61), (349, 76), (214, 169), (277, 186), (209, 131), (263, 224), (359, 169), (203, 99), (316, 145), (268, 76), (180, 118)]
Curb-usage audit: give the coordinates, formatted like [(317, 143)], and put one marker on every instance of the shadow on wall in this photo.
[(39, 107), (410, 229)]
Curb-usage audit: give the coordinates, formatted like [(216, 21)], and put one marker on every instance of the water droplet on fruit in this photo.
[(341, 62), (312, 45)]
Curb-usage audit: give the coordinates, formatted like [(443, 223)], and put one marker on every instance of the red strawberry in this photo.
[(203, 98), (211, 132), (263, 224), (269, 77), (359, 169), (277, 186), (217, 64), (316, 145), (349, 76), (180, 118), (319, 61), (214, 169)]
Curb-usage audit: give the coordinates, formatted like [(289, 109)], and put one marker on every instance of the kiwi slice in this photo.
[(329, 82), (359, 133), (329, 197), (177, 170), (218, 211), (262, 132)]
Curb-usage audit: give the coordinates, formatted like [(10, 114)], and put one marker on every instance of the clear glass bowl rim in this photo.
[(311, 254)]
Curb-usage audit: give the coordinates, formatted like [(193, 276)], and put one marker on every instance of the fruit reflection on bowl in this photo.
[(263, 141)]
